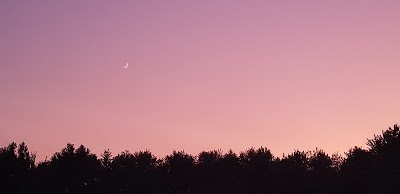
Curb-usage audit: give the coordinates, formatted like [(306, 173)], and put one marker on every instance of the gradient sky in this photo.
[(202, 75)]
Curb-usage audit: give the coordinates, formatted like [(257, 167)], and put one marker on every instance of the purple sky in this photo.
[(202, 75)]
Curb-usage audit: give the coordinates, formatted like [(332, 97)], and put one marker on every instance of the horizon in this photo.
[(308, 153), (202, 75)]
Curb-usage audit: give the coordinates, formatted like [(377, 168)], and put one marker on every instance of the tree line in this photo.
[(256, 170)]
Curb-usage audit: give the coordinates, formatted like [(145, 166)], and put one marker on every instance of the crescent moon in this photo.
[(126, 65)]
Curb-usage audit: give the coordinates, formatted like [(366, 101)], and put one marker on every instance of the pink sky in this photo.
[(202, 75)]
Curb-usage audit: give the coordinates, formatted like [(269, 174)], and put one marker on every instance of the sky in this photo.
[(202, 75)]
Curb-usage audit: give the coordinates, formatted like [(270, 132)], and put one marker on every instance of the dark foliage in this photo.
[(256, 170)]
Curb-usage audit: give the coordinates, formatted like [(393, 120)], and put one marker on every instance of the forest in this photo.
[(74, 169)]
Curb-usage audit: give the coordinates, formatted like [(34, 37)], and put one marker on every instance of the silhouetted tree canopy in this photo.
[(255, 170)]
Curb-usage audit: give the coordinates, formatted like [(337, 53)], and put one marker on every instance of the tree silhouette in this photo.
[(208, 170), (106, 160), (123, 166), (8, 168), (322, 171), (358, 169), (258, 174), (25, 163), (145, 178), (386, 151), (16, 164), (296, 161), (180, 171), (293, 172), (387, 145), (231, 170), (77, 170)]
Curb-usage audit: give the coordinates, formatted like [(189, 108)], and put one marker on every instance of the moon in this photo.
[(126, 66)]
